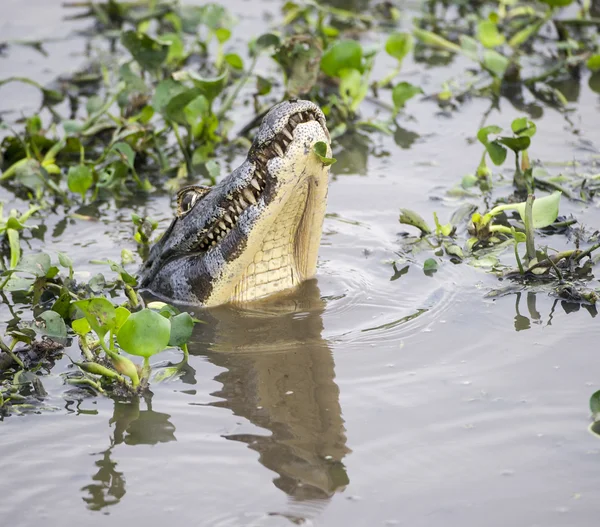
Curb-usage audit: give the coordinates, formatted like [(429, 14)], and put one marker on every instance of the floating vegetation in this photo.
[(157, 107)]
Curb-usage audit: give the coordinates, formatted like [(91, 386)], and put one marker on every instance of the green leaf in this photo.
[(164, 93), (593, 63), (495, 63), (121, 315), (99, 313), (321, 149), (398, 45), (149, 53), (403, 92), (222, 34), (430, 266), (54, 324), (557, 3), (125, 153), (545, 210), (488, 34), (36, 264), (409, 217), (470, 47), (234, 60), (484, 133), (80, 179), (81, 326), (266, 41), (65, 260), (516, 144), (523, 127), (144, 333), (182, 326), (431, 39), (496, 152), (343, 54), (210, 88)]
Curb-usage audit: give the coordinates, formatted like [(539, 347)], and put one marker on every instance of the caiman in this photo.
[(255, 233)]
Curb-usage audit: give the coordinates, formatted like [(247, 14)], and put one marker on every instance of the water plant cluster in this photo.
[(158, 106)]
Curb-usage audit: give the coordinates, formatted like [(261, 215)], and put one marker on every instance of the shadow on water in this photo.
[(132, 426), (280, 376)]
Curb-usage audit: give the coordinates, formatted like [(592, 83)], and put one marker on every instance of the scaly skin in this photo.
[(258, 231)]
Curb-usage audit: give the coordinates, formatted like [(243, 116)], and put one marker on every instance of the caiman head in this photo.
[(258, 231)]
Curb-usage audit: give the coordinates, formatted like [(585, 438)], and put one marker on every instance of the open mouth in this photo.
[(260, 182)]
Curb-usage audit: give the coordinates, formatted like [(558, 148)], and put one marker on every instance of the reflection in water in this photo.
[(523, 322), (132, 426), (280, 376)]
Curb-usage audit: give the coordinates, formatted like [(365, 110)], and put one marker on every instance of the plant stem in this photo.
[(234, 94), (529, 234)]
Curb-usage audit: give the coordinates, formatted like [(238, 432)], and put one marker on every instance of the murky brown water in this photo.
[(361, 400)]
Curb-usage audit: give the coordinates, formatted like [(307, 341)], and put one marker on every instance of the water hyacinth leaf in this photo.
[(470, 47), (36, 264), (350, 84), (125, 152), (234, 60), (320, 148), (121, 315), (495, 63), (545, 210), (484, 133), (343, 54), (100, 314), (593, 63), (431, 39), (409, 217), (430, 266), (182, 326), (81, 326), (403, 92), (557, 3), (223, 35), (496, 152), (488, 34), (65, 260), (266, 41), (516, 144), (398, 45), (144, 333), (149, 53), (79, 179), (164, 93), (209, 87), (523, 127), (54, 324)]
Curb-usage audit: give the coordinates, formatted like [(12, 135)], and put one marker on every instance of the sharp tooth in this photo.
[(278, 149), (239, 209), (231, 209), (211, 235), (294, 119), (249, 196), (255, 184), (214, 243), (287, 134), (228, 218), (222, 225), (242, 203)]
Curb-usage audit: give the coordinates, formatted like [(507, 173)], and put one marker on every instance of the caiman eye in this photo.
[(187, 197)]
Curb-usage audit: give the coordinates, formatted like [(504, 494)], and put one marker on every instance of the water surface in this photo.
[(364, 398)]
